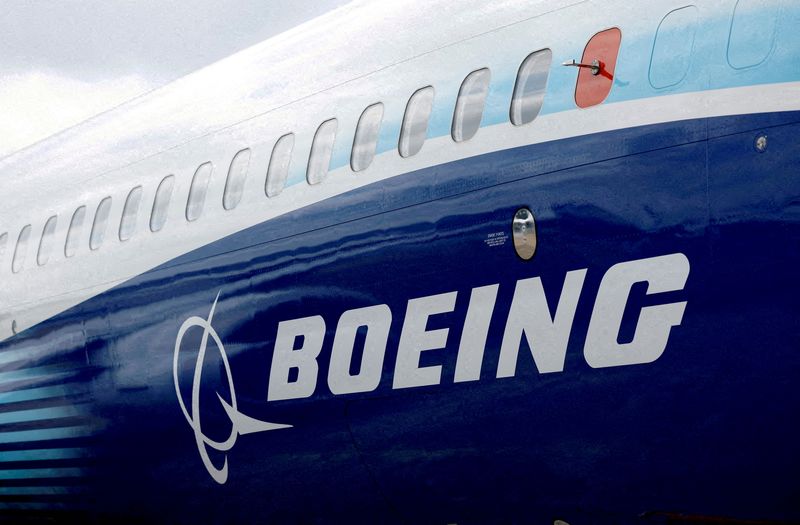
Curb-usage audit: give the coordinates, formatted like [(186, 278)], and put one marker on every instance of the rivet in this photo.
[(761, 143)]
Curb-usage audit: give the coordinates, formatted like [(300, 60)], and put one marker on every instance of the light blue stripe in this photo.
[(44, 434), (41, 491), (709, 70), (32, 394), (39, 414), (47, 372), (39, 473), (14, 355), (43, 454)]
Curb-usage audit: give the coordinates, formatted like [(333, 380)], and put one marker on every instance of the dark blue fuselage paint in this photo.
[(708, 429)]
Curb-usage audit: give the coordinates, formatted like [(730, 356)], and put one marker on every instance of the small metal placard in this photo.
[(523, 230)]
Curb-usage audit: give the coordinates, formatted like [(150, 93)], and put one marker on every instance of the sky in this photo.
[(63, 61)]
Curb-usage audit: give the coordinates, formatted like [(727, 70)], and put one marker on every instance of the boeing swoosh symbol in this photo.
[(241, 424)]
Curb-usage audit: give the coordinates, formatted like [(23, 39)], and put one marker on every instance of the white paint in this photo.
[(62, 283), (304, 359), (662, 274), (476, 329), (529, 316), (377, 320), (254, 97), (416, 338), (240, 423)]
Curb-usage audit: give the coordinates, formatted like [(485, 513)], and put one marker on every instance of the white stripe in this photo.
[(54, 289)]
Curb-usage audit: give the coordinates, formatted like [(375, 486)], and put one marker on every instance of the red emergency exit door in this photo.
[(592, 89)]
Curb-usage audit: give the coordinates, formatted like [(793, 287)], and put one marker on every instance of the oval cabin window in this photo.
[(752, 34), (321, 150), (158, 216), (74, 232), (21, 250), (197, 192), (530, 87), (366, 140), (414, 130), (234, 185), (127, 225), (470, 103), (3, 242), (672, 50), (278, 170), (46, 242), (100, 223)]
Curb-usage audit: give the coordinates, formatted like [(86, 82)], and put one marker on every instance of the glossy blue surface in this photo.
[(708, 429)]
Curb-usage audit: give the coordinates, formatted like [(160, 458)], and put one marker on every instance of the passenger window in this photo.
[(46, 242), (530, 87), (321, 149), (234, 185), (593, 88), (278, 170), (414, 130), (197, 192), (158, 216), (74, 232), (672, 49), (753, 30), (366, 141), (469, 106), (100, 223), (127, 226), (21, 251)]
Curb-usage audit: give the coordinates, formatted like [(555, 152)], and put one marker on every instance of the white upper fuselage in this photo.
[(332, 67)]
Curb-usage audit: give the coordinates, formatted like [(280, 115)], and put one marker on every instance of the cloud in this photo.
[(36, 104), (63, 62), (97, 39)]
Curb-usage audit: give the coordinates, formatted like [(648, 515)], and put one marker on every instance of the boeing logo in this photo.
[(240, 423), (298, 345)]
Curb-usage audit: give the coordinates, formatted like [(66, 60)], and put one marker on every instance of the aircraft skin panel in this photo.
[(62, 283), (373, 348), (107, 151), (706, 91), (579, 443)]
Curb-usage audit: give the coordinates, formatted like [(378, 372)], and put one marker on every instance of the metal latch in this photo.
[(595, 66)]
